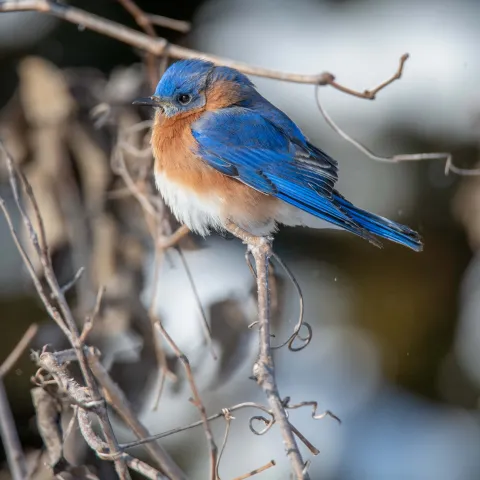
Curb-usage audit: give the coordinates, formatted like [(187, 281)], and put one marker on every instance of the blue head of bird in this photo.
[(185, 84)]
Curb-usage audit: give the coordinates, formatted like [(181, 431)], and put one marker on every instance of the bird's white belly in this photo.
[(199, 213)]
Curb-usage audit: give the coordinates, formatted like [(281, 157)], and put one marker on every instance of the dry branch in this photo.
[(63, 316), (264, 369), (158, 46), (11, 443)]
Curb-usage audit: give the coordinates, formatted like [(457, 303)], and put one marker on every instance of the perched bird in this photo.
[(224, 153)]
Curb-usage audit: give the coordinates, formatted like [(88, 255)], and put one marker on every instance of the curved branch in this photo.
[(158, 46)]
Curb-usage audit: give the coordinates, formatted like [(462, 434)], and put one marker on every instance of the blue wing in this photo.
[(263, 148)]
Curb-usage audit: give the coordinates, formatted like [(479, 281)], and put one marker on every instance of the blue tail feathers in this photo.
[(379, 226)]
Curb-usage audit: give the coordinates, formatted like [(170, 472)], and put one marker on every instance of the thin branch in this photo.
[(165, 22), (17, 352), (204, 321), (174, 238), (466, 172), (329, 79), (414, 157), (64, 318), (144, 22), (90, 320), (101, 448), (119, 402), (158, 46), (73, 281), (228, 420), (8, 431), (159, 351), (270, 464), (51, 310), (264, 369), (197, 401), (215, 416)]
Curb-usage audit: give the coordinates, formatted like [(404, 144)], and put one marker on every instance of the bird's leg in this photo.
[(246, 237)]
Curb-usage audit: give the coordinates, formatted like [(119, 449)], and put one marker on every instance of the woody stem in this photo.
[(264, 368)]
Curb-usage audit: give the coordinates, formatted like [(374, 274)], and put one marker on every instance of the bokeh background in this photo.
[(396, 345)]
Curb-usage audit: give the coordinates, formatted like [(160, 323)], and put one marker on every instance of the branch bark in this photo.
[(16, 459), (264, 368), (158, 46)]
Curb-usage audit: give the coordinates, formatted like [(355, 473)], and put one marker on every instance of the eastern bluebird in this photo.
[(224, 153)]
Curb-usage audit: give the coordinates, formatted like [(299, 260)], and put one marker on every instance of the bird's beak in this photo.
[(147, 101)]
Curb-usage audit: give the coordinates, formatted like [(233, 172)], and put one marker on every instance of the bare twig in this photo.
[(8, 431), (15, 457), (117, 399), (82, 398), (197, 401), (414, 157), (90, 320), (466, 172), (101, 448), (270, 464), (74, 280), (160, 21), (329, 79), (21, 346), (174, 238), (264, 370), (228, 420), (144, 22), (198, 423), (206, 327), (159, 351), (63, 317), (157, 46)]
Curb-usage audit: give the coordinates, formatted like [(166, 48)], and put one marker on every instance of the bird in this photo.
[(224, 154)]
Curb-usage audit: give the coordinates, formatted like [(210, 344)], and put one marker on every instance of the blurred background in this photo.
[(396, 335)]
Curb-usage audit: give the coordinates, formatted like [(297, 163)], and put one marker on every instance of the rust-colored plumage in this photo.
[(176, 162)]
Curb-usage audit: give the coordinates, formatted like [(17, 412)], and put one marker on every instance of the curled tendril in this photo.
[(314, 405), (268, 423), (300, 323)]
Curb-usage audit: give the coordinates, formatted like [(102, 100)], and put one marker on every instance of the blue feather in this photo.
[(259, 145)]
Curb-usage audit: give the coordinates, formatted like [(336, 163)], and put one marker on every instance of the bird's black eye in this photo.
[(184, 99)]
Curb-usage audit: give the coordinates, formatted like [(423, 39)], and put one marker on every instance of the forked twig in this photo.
[(413, 157), (63, 316), (158, 45), (329, 79), (144, 22)]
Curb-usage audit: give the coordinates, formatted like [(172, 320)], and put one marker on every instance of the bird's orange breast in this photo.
[(174, 150)]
